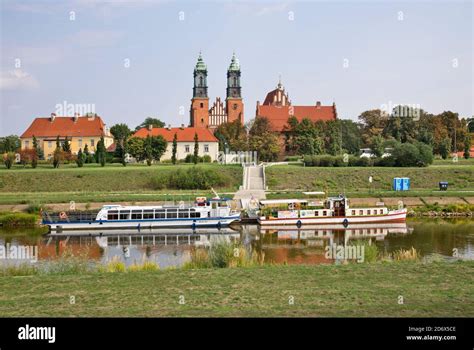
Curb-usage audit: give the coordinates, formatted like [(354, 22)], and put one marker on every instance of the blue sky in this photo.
[(361, 55)]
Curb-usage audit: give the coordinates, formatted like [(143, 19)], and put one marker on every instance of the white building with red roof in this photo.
[(208, 143)]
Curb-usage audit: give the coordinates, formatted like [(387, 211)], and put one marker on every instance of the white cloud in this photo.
[(17, 79)]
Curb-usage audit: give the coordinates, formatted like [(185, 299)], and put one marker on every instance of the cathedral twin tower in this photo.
[(201, 114)]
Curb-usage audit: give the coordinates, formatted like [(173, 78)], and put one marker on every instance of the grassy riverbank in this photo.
[(137, 183), (432, 289), (93, 178), (356, 179)]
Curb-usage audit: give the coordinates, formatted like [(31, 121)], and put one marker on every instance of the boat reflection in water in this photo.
[(173, 247), (308, 245), (167, 247)]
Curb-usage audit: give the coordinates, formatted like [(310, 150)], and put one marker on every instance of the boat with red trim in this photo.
[(333, 210)]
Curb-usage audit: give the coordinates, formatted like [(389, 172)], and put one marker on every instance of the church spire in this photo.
[(233, 78), (200, 78)]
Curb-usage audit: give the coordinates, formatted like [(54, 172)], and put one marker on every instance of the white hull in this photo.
[(144, 224), (391, 216)]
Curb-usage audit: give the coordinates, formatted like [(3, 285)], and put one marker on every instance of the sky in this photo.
[(128, 60)]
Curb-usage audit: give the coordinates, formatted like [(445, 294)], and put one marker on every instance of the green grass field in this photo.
[(115, 183), (356, 179), (94, 178), (429, 290)]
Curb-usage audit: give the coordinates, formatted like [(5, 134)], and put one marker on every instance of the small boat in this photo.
[(333, 210), (214, 212)]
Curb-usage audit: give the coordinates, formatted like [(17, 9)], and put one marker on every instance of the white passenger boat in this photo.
[(333, 210), (204, 213)]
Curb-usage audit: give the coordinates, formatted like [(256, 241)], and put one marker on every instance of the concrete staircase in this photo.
[(253, 187)]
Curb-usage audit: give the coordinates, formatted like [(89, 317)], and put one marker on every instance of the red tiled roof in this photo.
[(65, 126), (111, 148), (183, 134), (278, 115), (270, 97)]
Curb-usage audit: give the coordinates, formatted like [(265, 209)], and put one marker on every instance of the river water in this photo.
[(171, 248)]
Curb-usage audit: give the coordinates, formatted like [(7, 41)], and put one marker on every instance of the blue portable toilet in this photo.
[(397, 184), (405, 183)]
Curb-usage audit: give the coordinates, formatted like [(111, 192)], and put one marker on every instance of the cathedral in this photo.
[(201, 116)]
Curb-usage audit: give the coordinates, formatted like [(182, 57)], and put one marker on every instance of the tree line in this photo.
[(407, 131)]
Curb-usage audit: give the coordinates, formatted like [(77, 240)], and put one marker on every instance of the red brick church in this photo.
[(277, 108)]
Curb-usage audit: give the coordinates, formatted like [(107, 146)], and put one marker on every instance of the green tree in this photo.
[(303, 137), (467, 146), (333, 139), (80, 158), (124, 154), (233, 135), (445, 147), (196, 149), (58, 154), (155, 122), (351, 136), (174, 149), (8, 159), (120, 132), (101, 151), (373, 123), (148, 150), (376, 144), (158, 147), (66, 145), (37, 148), (136, 148), (86, 154), (9, 144), (263, 140)]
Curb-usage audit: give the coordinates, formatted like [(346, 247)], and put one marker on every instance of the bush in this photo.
[(18, 220), (326, 161), (189, 158), (206, 158), (9, 159), (194, 178), (308, 160), (408, 154)]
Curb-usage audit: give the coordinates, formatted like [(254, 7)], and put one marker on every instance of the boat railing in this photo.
[(69, 216)]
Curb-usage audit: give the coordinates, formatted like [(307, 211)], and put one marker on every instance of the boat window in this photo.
[(368, 212), (353, 212), (324, 213), (148, 214), (316, 213), (381, 211), (136, 214), (361, 212), (112, 215), (195, 215), (160, 214), (171, 214), (183, 214), (223, 204), (124, 215), (214, 205)]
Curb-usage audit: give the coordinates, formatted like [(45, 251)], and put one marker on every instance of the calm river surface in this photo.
[(431, 237)]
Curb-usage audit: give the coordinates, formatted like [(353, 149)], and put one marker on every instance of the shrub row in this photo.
[(194, 178)]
